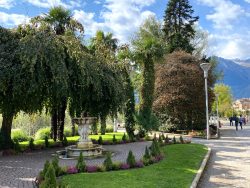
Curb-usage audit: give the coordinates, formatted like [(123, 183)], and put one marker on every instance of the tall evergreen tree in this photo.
[(178, 25)]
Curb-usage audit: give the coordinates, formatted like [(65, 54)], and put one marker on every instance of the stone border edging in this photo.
[(201, 169)]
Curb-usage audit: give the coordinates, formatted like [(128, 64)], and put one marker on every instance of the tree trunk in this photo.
[(6, 131), (73, 127), (61, 119), (53, 131), (103, 124)]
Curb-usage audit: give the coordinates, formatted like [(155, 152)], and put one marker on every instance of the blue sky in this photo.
[(225, 21)]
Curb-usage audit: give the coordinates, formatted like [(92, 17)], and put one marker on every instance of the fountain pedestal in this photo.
[(84, 145)]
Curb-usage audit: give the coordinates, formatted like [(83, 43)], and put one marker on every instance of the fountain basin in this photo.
[(74, 151)]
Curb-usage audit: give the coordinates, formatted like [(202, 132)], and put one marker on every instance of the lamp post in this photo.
[(205, 67), (217, 111)]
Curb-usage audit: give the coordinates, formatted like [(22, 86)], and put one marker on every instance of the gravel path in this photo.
[(20, 170), (229, 164)]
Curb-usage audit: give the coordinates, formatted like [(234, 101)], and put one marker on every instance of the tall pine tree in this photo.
[(178, 25)]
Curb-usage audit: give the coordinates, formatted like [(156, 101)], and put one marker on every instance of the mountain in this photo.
[(237, 75)]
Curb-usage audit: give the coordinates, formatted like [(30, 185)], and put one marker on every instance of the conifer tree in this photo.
[(178, 25)]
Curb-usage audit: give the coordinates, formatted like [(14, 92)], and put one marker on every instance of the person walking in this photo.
[(236, 119), (241, 121), (231, 121)]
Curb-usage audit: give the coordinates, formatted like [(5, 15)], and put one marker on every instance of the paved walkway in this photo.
[(229, 164), (21, 170)]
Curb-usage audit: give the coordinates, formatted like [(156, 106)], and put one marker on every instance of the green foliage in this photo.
[(100, 140), (45, 169), (129, 114), (131, 159), (50, 178), (155, 148), (46, 142), (181, 140), (146, 154), (17, 147), (178, 25), (225, 100), (64, 141), (124, 138), (42, 133), (174, 140), (160, 139), (166, 140), (148, 47), (57, 168), (19, 134), (162, 136), (81, 165), (67, 132), (107, 163), (31, 143), (114, 140)]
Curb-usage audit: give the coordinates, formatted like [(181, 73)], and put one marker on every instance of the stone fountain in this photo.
[(84, 145)]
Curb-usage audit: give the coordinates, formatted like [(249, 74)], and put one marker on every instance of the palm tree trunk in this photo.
[(61, 118)]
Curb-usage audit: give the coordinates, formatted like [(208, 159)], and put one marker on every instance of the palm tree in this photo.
[(149, 47)]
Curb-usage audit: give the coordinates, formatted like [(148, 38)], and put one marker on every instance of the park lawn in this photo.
[(177, 169)]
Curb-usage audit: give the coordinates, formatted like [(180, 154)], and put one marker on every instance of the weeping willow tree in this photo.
[(59, 21)]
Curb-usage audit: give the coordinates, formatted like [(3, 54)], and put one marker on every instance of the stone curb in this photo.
[(201, 169)]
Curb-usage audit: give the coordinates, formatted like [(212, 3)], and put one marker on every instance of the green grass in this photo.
[(176, 170), (74, 139)]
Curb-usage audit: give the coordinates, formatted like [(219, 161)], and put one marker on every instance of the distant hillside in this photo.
[(237, 75)]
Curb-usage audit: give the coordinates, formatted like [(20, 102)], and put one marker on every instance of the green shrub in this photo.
[(147, 137), (155, 148), (146, 154), (17, 147), (50, 178), (19, 134), (181, 140), (116, 166), (57, 168), (114, 139), (67, 132), (109, 129), (81, 165), (107, 163), (100, 140), (46, 142), (174, 140), (45, 168), (160, 139), (124, 138), (64, 141), (31, 144), (41, 133), (131, 159), (166, 140), (162, 136)]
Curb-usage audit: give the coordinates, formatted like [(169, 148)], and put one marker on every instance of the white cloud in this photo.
[(87, 19), (230, 46), (12, 19), (122, 18), (52, 3), (224, 12), (248, 1), (97, 2), (6, 3)]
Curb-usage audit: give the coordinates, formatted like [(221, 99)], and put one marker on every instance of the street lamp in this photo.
[(217, 111), (205, 67)]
